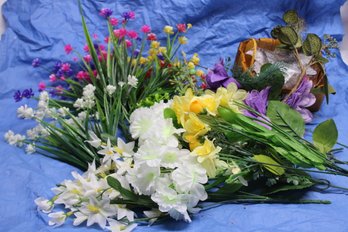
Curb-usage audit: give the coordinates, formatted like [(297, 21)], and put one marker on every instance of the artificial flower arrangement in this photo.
[(152, 142)]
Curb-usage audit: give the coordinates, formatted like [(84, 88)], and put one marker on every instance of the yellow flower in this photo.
[(194, 126), (162, 50), (155, 44), (189, 25), (230, 95), (168, 30), (199, 73), (206, 155), (142, 60), (182, 40), (181, 106), (195, 59), (210, 103), (191, 65)]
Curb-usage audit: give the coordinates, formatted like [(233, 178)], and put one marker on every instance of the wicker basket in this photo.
[(245, 61)]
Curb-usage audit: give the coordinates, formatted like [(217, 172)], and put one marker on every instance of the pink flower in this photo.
[(95, 73), (105, 12), (151, 37), (101, 47), (106, 39), (132, 34), (181, 27), (62, 78), (42, 86), (86, 48), (120, 33), (53, 78), (75, 59), (65, 67), (68, 49), (104, 54), (113, 21), (81, 75), (145, 29), (128, 43), (95, 36), (59, 89), (87, 58)]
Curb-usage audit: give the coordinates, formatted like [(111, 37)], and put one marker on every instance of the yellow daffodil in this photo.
[(142, 60), (168, 30), (194, 126), (191, 65), (189, 25), (199, 73), (183, 40), (181, 106), (230, 95), (162, 50), (206, 155)]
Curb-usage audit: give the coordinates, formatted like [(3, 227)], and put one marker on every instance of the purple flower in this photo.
[(36, 62), (27, 93), (218, 77), (105, 12), (17, 96), (57, 66), (136, 52), (160, 56), (128, 15), (258, 100), (302, 98)]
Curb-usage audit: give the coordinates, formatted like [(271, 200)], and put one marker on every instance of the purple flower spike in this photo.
[(218, 77), (302, 98), (105, 12), (17, 96), (27, 93), (36, 62)]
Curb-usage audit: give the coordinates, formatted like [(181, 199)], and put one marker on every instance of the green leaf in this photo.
[(288, 187), (312, 45), (273, 167), (291, 17), (275, 32), (115, 184), (288, 119), (287, 35), (325, 135)]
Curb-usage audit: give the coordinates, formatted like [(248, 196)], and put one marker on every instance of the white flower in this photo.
[(44, 96), (88, 91), (169, 200), (142, 123), (63, 111), (82, 115), (149, 153), (8, 135), (154, 214), (14, 139), (124, 149), (143, 178), (115, 226), (25, 112), (108, 152), (95, 141), (132, 81), (57, 218), (79, 103), (30, 148), (110, 89), (123, 212), (121, 83), (44, 205), (188, 177), (95, 211), (172, 157)]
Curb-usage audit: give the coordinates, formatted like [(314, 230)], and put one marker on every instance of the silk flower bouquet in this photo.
[(153, 143)]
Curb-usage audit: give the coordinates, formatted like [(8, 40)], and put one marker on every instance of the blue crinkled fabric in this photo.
[(41, 28)]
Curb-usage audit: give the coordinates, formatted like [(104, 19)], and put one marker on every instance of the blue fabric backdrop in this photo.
[(40, 28)]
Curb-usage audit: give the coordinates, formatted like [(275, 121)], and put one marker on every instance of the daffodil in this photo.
[(155, 44), (182, 40), (195, 59), (206, 155), (230, 95), (181, 106)]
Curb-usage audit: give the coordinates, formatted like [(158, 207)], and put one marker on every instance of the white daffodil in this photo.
[(96, 211), (143, 178), (57, 218), (110, 89), (132, 81), (70, 194), (123, 212), (94, 141), (115, 226), (25, 112), (108, 152), (124, 149), (44, 205)]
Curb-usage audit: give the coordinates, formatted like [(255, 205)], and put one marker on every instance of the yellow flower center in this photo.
[(93, 208)]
